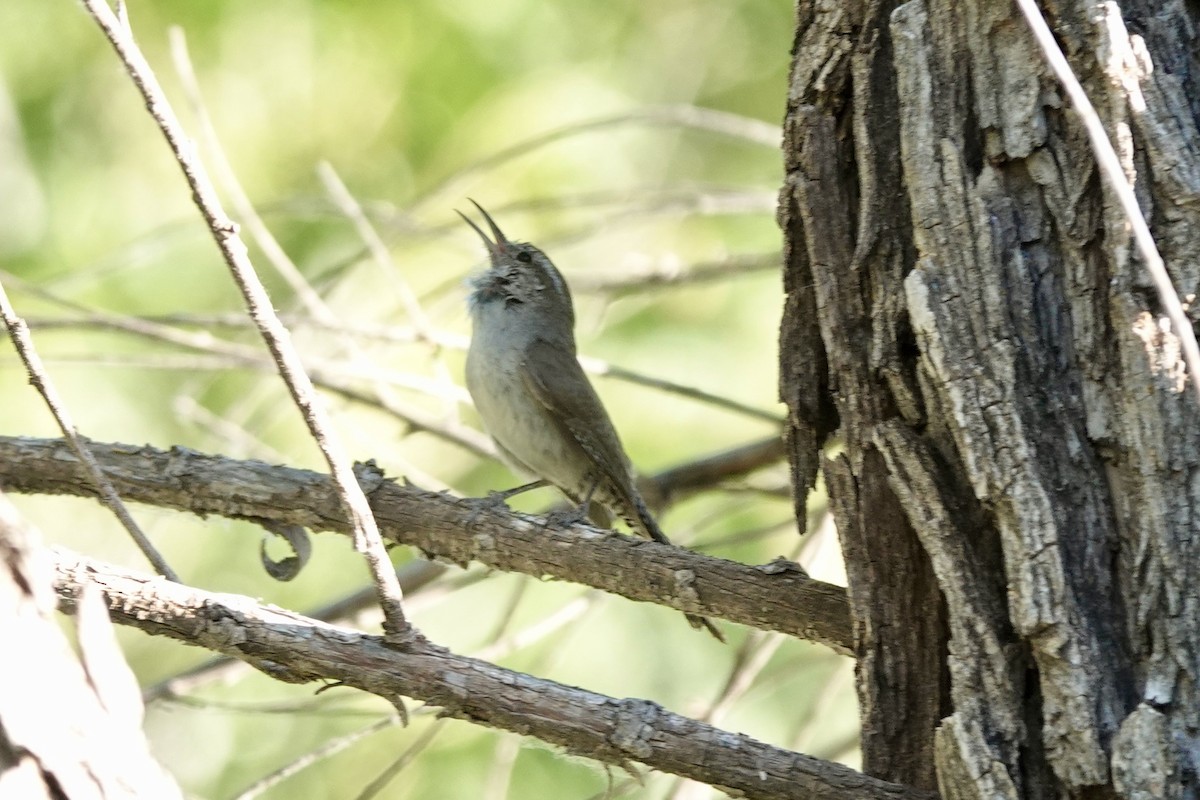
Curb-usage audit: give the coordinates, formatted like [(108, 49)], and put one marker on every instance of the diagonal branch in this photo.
[(258, 304), (778, 596), (295, 649), (18, 331)]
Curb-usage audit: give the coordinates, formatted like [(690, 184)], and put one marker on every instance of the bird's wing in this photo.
[(553, 375)]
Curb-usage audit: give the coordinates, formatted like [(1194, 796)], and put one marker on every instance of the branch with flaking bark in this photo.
[(296, 649), (778, 596)]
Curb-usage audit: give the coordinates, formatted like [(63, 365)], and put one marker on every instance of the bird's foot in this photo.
[(566, 517), (495, 501), (703, 623)]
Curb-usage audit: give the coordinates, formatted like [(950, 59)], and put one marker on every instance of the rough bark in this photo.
[(1006, 390), (774, 596), (292, 648)]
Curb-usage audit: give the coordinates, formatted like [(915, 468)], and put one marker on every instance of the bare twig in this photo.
[(317, 706), (600, 367), (155, 328), (403, 760), (321, 371), (330, 748), (274, 252), (349, 206), (388, 270), (675, 483), (354, 503), (40, 380), (469, 439), (221, 429), (661, 275), (276, 256), (569, 613), (810, 727), (640, 200), (751, 658), (1111, 169), (499, 778), (390, 334), (682, 116)]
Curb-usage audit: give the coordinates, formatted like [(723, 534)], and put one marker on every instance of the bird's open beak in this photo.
[(495, 248)]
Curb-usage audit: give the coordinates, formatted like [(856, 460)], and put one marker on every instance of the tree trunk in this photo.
[(966, 313)]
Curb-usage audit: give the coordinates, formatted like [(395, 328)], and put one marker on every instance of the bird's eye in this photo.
[(524, 257)]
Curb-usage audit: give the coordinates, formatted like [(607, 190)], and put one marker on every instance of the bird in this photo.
[(533, 397)]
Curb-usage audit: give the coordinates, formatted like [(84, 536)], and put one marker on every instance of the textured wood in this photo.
[(847, 250), (775, 596), (1005, 385), (292, 648)]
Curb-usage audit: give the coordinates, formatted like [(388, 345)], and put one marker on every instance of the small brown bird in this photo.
[(534, 398)]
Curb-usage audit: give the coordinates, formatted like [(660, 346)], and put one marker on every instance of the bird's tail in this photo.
[(645, 524), (643, 521), (705, 623)]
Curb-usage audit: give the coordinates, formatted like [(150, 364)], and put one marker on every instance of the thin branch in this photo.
[(683, 116), (664, 275), (669, 486), (327, 750), (164, 329), (40, 379), (276, 256), (600, 367), (231, 435), (389, 334), (153, 328), (417, 420), (569, 613), (776, 596), (294, 649), (350, 496), (321, 371), (389, 272), (498, 784), (405, 758), (1118, 181), (317, 307), (810, 727), (339, 707), (643, 200), (353, 211), (751, 659)]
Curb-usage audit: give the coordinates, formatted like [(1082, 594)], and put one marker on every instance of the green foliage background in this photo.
[(405, 100)]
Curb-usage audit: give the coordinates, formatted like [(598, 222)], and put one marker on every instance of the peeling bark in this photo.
[(1007, 391), (773, 596)]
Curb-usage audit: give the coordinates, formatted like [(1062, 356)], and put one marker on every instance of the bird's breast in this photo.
[(516, 419)]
